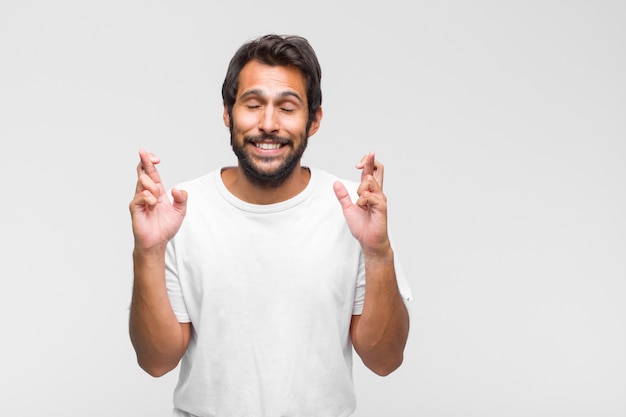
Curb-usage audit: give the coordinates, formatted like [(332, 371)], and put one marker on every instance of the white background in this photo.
[(502, 126)]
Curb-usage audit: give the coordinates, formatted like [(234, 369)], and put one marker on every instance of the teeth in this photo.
[(268, 146)]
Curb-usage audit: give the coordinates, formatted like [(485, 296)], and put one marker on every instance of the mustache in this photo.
[(265, 137)]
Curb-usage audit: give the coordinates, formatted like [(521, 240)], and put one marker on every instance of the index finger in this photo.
[(371, 166), (147, 165)]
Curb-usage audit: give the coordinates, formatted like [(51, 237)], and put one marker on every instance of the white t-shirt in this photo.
[(270, 291)]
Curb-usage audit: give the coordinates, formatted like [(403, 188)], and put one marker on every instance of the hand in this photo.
[(155, 220), (367, 218)]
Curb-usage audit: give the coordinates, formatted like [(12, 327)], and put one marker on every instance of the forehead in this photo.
[(271, 80)]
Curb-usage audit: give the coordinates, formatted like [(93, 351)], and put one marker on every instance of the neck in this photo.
[(238, 183)]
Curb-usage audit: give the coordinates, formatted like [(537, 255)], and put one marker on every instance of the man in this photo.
[(275, 274)]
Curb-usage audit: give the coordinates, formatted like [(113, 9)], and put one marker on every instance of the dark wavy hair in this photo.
[(277, 50)]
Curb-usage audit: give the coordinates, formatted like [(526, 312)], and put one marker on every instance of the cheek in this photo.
[(295, 125), (244, 121)]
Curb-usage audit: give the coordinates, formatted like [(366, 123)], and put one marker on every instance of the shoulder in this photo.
[(201, 190), (202, 183), (325, 180)]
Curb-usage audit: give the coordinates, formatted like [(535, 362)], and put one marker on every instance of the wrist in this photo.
[(154, 253), (378, 258)]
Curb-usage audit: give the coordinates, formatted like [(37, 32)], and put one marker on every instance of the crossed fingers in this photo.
[(371, 187), (149, 186), (370, 166)]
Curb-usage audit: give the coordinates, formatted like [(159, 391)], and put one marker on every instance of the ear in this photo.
[(226, 116), (315, 124)]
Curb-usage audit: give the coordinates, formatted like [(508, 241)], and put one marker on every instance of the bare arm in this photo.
[(158, 338), (380, 333)]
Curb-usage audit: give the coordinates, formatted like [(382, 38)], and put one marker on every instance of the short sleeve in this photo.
[(401, 279), (359, 297), (174, 289)]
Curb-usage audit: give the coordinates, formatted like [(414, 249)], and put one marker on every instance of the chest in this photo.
[(271, 265)]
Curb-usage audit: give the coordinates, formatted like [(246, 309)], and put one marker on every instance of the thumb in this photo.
[(179, 199), (342, 195)]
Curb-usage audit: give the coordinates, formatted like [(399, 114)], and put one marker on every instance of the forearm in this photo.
[(380, 333), (155, 332)]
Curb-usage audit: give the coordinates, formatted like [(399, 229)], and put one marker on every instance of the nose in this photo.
[(268, 120)]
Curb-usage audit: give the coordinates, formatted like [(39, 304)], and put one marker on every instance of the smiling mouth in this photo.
[(268, 146), (267, 142)]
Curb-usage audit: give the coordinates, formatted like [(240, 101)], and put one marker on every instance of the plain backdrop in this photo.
[(502, 127)]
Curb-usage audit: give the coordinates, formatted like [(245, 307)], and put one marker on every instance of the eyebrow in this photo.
[(261, 93)]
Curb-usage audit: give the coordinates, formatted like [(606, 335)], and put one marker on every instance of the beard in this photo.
[(268, 178)]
